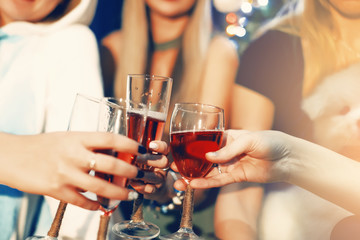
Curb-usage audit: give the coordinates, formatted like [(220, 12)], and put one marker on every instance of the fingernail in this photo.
[(153, 145), (149, 189), (140, 174), (141, 149), (211, 154), (132, 196)]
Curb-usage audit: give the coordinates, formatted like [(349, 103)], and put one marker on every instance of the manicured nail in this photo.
[(132, 196), (211, 154), (153, 145), (141, 149), (140, 174), (149, 189)]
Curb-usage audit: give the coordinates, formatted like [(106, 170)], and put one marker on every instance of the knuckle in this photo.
[(98, 189), (111, 164), (81, 202)]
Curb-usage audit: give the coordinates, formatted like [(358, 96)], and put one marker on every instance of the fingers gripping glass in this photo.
[(84, 117), (117, 116), (154, 92)]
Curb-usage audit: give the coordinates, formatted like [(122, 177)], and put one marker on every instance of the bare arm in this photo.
[(272, 156), (110, 50), (57, 164), (239, 204), (219, 74)]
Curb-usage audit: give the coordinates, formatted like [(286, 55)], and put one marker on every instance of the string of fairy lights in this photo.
[(237, 22), (239, 19)]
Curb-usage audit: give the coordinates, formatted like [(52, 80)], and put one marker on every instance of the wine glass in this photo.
[(84, 117), (154, 92), (118, 116), (195, 129)]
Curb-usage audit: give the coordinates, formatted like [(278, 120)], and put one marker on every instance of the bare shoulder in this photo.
[(113, 42), (222, 47), (112, 38)]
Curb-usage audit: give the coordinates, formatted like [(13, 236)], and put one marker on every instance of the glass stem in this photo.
[(56, 224), (137, 214), (188, 208), (103, 226)]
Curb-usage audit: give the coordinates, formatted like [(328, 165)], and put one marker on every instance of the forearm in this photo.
[(11, 172), (236, 211), (325, 173)]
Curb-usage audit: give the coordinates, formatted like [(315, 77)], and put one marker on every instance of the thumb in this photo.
[(240, 146)]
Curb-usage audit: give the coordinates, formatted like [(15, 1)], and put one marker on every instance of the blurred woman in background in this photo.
[(174, 39)]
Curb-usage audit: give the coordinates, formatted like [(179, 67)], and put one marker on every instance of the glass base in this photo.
[(183, 234), (136, 230), (41, 238)]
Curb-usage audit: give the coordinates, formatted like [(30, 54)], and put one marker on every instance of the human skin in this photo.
[(25, 10), (58, 165)]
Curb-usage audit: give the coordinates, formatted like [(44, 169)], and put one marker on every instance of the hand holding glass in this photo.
[(123, 117), (195, 129), (154, 92)]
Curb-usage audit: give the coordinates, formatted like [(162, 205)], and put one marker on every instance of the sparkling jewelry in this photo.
[(92, 163)]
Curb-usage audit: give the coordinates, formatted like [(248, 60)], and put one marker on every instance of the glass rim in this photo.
[(142, 106), (147, 76), (210, 106), (88, 97)]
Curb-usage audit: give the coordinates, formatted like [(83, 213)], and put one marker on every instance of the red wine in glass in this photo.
[(154, 128), (154, 92), (134, 123), (189, 149), (109, 205), (195, 129)]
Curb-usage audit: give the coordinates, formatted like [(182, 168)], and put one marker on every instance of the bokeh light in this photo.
[(231, 18), (240, 19), (262, 3), (235, 30), (246, 7)]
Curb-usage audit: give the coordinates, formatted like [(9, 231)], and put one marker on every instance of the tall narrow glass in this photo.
[(154, 92), (195, 129), (118, 116), (84, 117)]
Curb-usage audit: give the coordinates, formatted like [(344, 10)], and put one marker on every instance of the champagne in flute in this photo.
[(84, 117), (154, 129), (154, 92), (124, 117), (118, 116)]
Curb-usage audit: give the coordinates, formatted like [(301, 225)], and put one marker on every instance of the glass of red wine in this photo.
[(195, 129), (125, 117), (154, 92), (84, 117)]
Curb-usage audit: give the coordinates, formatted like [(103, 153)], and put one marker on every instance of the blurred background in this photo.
[(238, 19)]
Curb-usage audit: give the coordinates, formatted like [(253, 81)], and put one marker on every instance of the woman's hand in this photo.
[(150, 183), (247, 156), (58, 165)]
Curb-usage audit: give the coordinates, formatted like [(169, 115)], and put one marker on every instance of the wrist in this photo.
[(303, 160), (170, 199)]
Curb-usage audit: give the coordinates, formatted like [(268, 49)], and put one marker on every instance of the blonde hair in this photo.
[(134, 53), (312, 21)]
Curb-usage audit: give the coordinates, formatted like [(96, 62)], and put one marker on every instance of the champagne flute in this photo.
[(195, 129), (154, 92), (118, 116), (84, 117)]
